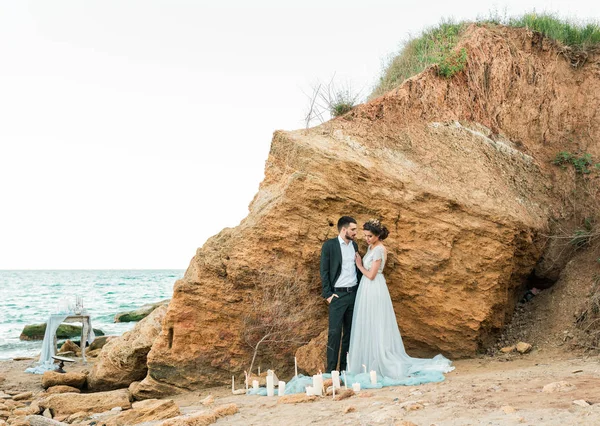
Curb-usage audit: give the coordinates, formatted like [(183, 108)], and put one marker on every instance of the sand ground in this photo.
[(499, 390)]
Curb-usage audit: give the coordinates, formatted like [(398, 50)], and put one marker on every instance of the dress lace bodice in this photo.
[(372, 255)]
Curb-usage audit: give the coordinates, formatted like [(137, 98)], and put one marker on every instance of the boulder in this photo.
[(64, 331), (149, 410), (70, 403), (467, 189), (52, 378), (36, 420), (99, 342), (312, 357), (203, 417), (123, 359), (69, 346), (139, 313), (151, 388), (62, 389), (22, 396)]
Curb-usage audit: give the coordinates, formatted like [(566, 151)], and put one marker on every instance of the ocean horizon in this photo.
[(29, 296)]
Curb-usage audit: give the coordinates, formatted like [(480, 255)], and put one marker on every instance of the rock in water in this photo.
[(123, 359), (64, 331), (466, 188), (140, 313)]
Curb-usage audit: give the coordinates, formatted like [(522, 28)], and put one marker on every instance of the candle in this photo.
[(259, 370), (270, 386), (318, 384), (255, 384), (373, 375), (281, 388), (232, 384), (356, 387), (345, 381), (347, 361), (335, 378), (365, 368), (295, 367), (333, 392), (309, 391)]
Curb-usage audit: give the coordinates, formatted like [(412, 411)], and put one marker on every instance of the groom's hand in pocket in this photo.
[(330, 298)]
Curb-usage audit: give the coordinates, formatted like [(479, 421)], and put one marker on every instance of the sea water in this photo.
[(29, 297)]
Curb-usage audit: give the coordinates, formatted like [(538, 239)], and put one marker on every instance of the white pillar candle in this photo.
[(255, 384), (259, 371), (335, 378), (232, 383), (295, 367), (309, 391), (318, 384), (281, 388), (365, 368), (347, 361), (373, 375), (356, 387), (270, 386)]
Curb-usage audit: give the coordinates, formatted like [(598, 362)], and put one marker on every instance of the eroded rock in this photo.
[(123, 359), (149, 410), (62, 389), (72, 379), (70, 403)]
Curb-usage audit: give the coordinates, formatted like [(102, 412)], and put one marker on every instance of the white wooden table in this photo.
[(85, 329)]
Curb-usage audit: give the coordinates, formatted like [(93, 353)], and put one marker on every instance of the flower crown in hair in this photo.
[(374, 222)]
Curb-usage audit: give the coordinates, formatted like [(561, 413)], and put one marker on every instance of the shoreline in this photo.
[(503, 389)]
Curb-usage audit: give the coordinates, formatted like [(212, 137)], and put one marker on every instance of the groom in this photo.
[(340, 279)]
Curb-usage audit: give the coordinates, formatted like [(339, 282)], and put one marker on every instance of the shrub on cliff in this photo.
[(436, 45)]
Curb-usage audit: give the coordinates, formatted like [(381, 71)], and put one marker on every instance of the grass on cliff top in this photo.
[(435, 44)]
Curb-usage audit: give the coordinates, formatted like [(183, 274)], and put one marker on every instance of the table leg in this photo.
[(84, 334)]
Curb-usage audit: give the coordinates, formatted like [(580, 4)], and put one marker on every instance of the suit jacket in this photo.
[(331, 265)]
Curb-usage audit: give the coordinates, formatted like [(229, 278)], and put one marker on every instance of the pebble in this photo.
[(581, 403), (558, 387), (208, 400), (349, 409), (508, 409)]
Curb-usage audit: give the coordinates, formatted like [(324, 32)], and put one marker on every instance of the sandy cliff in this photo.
[(459, 170)]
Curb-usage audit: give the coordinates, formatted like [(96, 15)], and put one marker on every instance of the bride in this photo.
[(375, 341)]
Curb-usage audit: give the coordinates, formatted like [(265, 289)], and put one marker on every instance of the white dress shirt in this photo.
[(347, 277)]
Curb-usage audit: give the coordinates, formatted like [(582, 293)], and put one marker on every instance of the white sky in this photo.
[(131, 131)]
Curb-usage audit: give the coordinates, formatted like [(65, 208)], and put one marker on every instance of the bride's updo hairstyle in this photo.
[(376, 228)]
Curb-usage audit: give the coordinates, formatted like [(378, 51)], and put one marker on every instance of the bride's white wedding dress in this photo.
[(375, 339)]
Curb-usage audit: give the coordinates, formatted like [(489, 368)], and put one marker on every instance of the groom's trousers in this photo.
[(340, 323)]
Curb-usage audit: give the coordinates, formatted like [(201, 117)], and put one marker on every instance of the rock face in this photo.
[(123, 359), (458, 169), (140, 313)]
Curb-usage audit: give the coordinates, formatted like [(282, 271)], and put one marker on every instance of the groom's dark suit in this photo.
[(341, 308)]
